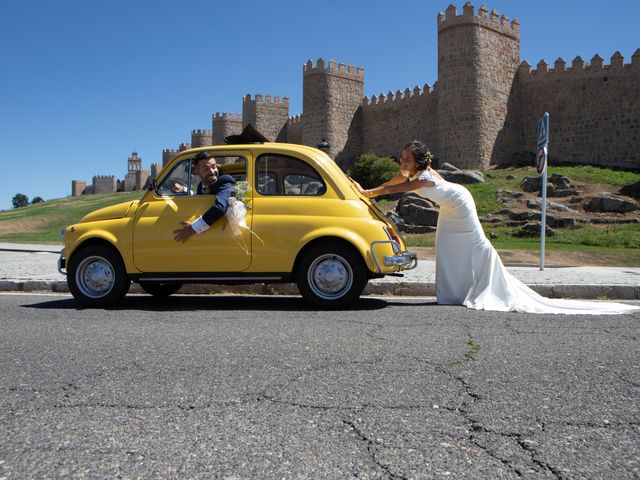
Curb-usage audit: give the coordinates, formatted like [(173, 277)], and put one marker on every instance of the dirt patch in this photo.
[(25, 225), (552, 258)]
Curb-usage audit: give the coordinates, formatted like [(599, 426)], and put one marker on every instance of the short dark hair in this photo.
[(202, 156), (421, 154)]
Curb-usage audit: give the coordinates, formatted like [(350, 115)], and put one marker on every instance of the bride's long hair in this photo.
[(421, 154)]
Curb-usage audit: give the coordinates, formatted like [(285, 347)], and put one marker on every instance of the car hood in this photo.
[(109, 213)]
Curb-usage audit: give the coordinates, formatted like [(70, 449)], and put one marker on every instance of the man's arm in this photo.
[(222, 190)]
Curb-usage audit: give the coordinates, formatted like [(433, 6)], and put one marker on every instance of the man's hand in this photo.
[(178, 187), (184, 233)]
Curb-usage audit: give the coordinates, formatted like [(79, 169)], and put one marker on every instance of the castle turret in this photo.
[(78, 187), (201, 138), (331, 97), (478, 56), (225, 124), (266, 115), (167, 155)]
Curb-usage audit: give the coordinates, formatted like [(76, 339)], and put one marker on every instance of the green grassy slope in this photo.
[(42, 222)]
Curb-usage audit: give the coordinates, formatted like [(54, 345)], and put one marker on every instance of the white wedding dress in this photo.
[(469, 271)]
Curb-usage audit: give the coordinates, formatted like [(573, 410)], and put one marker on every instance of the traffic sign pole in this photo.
[(543, 210), (541, 166)]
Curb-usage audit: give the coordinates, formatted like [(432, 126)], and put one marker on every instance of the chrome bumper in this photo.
[(406, 260), (62, 263)]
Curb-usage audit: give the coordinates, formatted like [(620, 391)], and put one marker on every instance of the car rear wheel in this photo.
[(332, 275), (160, 289), (97, 277)]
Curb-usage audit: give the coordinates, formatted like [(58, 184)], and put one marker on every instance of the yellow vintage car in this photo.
[(306, 223)]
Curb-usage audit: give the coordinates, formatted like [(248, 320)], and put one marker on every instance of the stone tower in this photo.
[(201, 138), (223, 125), (478, 56), (331, 98), (134, 163), (266, 115)]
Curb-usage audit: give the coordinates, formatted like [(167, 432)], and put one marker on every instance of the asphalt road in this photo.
[(263, 387)]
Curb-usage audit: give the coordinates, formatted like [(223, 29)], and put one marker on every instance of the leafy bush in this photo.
[(371, 170)]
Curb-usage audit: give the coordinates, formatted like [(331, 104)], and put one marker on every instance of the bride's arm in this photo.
[(407, 186), (394, 180)]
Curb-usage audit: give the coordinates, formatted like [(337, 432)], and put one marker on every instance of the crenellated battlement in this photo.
[(400, 96), (579, 67), (258, 99), (104, 177), (295, 120), (333, 68), (491, 20), (200, 132), (232, 117), (169, 151)]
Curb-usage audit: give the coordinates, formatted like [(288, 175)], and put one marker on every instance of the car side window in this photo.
[(284, 175), (177, 182)]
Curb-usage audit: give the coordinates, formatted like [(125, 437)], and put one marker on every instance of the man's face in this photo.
[(207, 170)]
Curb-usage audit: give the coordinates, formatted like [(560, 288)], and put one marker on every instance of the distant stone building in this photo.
[(481, 111), (135, 179)]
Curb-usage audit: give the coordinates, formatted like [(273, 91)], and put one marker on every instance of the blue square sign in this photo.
[(543, 131)]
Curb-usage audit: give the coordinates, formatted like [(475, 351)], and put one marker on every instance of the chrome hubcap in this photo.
[(95, 277), (330, 276)]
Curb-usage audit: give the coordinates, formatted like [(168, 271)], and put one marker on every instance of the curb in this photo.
[(410, 289)]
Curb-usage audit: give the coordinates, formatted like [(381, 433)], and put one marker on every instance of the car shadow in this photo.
[(212, 302)]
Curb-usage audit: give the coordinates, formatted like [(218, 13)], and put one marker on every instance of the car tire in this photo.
[(331, 275), (97, 277), (160, 289)]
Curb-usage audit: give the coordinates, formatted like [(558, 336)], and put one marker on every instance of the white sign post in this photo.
[(541, 167)]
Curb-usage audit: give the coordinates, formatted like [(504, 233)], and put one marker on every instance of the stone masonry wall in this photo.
[(477, 60), (331, 98), (104, 184), (223, 125), (201, 138), (266, 115), (392, 121), (77, 187), (294, 130), (594, 110)]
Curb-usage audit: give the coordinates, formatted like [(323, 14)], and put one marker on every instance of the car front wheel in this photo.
[(97, 277), (331, 275)]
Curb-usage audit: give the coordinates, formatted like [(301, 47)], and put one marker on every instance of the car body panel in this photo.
[(155, 249)]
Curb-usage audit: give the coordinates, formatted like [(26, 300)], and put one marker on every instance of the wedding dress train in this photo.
[(469, 271)]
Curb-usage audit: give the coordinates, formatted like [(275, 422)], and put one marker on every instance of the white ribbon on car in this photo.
[(236, 217)]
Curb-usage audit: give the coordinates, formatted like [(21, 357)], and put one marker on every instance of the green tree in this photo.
[(370, 170), (19, 200), (37, 200)]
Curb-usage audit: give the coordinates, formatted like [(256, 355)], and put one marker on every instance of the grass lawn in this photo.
[(42, 222)]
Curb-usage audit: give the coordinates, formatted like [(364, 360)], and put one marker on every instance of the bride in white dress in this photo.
[(469, 271)]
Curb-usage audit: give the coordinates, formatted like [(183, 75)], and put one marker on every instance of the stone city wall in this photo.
[(105, 184), (594, 110), (391, 121), (267, 115)]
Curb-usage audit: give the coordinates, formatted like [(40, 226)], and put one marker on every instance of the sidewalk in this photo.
[(33, 268)]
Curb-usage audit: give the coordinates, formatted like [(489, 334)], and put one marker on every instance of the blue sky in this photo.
[(84, 82)]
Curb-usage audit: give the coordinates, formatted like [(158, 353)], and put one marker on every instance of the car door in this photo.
[(174, 201)]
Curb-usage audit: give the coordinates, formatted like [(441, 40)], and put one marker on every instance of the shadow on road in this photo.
[(208, 303)]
